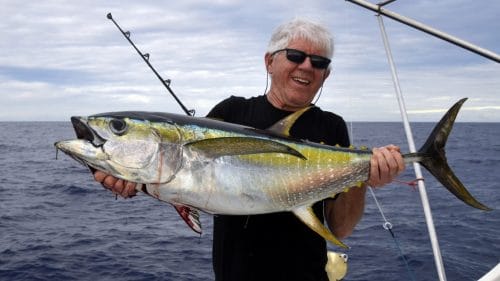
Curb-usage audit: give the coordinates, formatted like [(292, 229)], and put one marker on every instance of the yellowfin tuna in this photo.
[(221, 168)]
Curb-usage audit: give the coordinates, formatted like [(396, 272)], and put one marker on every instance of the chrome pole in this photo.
[(411, 144), (429, 30)]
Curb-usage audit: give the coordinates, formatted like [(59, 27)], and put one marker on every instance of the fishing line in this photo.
[(267, 82), (321, 89), (413, 183), (388, 226)]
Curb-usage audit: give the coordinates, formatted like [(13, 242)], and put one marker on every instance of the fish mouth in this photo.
[(85, 132)]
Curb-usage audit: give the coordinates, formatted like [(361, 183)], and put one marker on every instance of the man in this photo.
[(278, 246)]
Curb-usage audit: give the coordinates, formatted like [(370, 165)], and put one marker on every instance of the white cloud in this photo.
[(59, 59)]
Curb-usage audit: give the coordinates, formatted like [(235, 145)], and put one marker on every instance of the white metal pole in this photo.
[(422, 27), (411, 144)]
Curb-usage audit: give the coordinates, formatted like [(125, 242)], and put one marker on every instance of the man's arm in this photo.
[(343, 213)]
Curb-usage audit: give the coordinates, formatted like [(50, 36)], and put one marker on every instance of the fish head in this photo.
[(128, 148)]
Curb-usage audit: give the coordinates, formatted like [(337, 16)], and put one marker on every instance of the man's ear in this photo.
[(268, 60)]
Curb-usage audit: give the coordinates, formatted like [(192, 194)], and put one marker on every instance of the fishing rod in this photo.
[(145, 57)]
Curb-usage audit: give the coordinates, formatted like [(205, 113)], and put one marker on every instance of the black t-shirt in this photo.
[(275, 246)]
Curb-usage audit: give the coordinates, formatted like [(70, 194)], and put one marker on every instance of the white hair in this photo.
[(309, 30)]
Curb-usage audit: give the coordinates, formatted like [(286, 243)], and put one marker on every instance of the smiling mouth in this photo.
[(301, 81)]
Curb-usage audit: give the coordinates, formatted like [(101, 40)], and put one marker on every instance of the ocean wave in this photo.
[(57, 223)]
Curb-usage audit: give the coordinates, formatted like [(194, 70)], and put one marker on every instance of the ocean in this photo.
[(57, 223)]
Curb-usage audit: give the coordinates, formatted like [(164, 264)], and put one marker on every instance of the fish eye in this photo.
[(118, 126)]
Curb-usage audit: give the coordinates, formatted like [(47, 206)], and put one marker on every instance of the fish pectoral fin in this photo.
[(307, 216), (190, 216), (283, 126), (226, 146)]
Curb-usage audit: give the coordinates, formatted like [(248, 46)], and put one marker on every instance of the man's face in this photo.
[(294, 85)]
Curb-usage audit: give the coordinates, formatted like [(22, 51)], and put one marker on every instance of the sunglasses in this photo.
[(299, 57)]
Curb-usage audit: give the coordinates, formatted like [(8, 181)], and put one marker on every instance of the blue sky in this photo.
[(65, 58)]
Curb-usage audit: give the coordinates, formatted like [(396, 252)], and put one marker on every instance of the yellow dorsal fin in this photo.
[(284, 125)]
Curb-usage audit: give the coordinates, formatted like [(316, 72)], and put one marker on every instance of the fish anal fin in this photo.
[(283, 126), (227, 146), (190, 216), (307, 216)]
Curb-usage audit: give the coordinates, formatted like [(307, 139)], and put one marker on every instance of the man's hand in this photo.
[(385, 165), (125, 189)]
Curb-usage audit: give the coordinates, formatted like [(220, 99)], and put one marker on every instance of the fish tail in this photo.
[(432, 156)]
